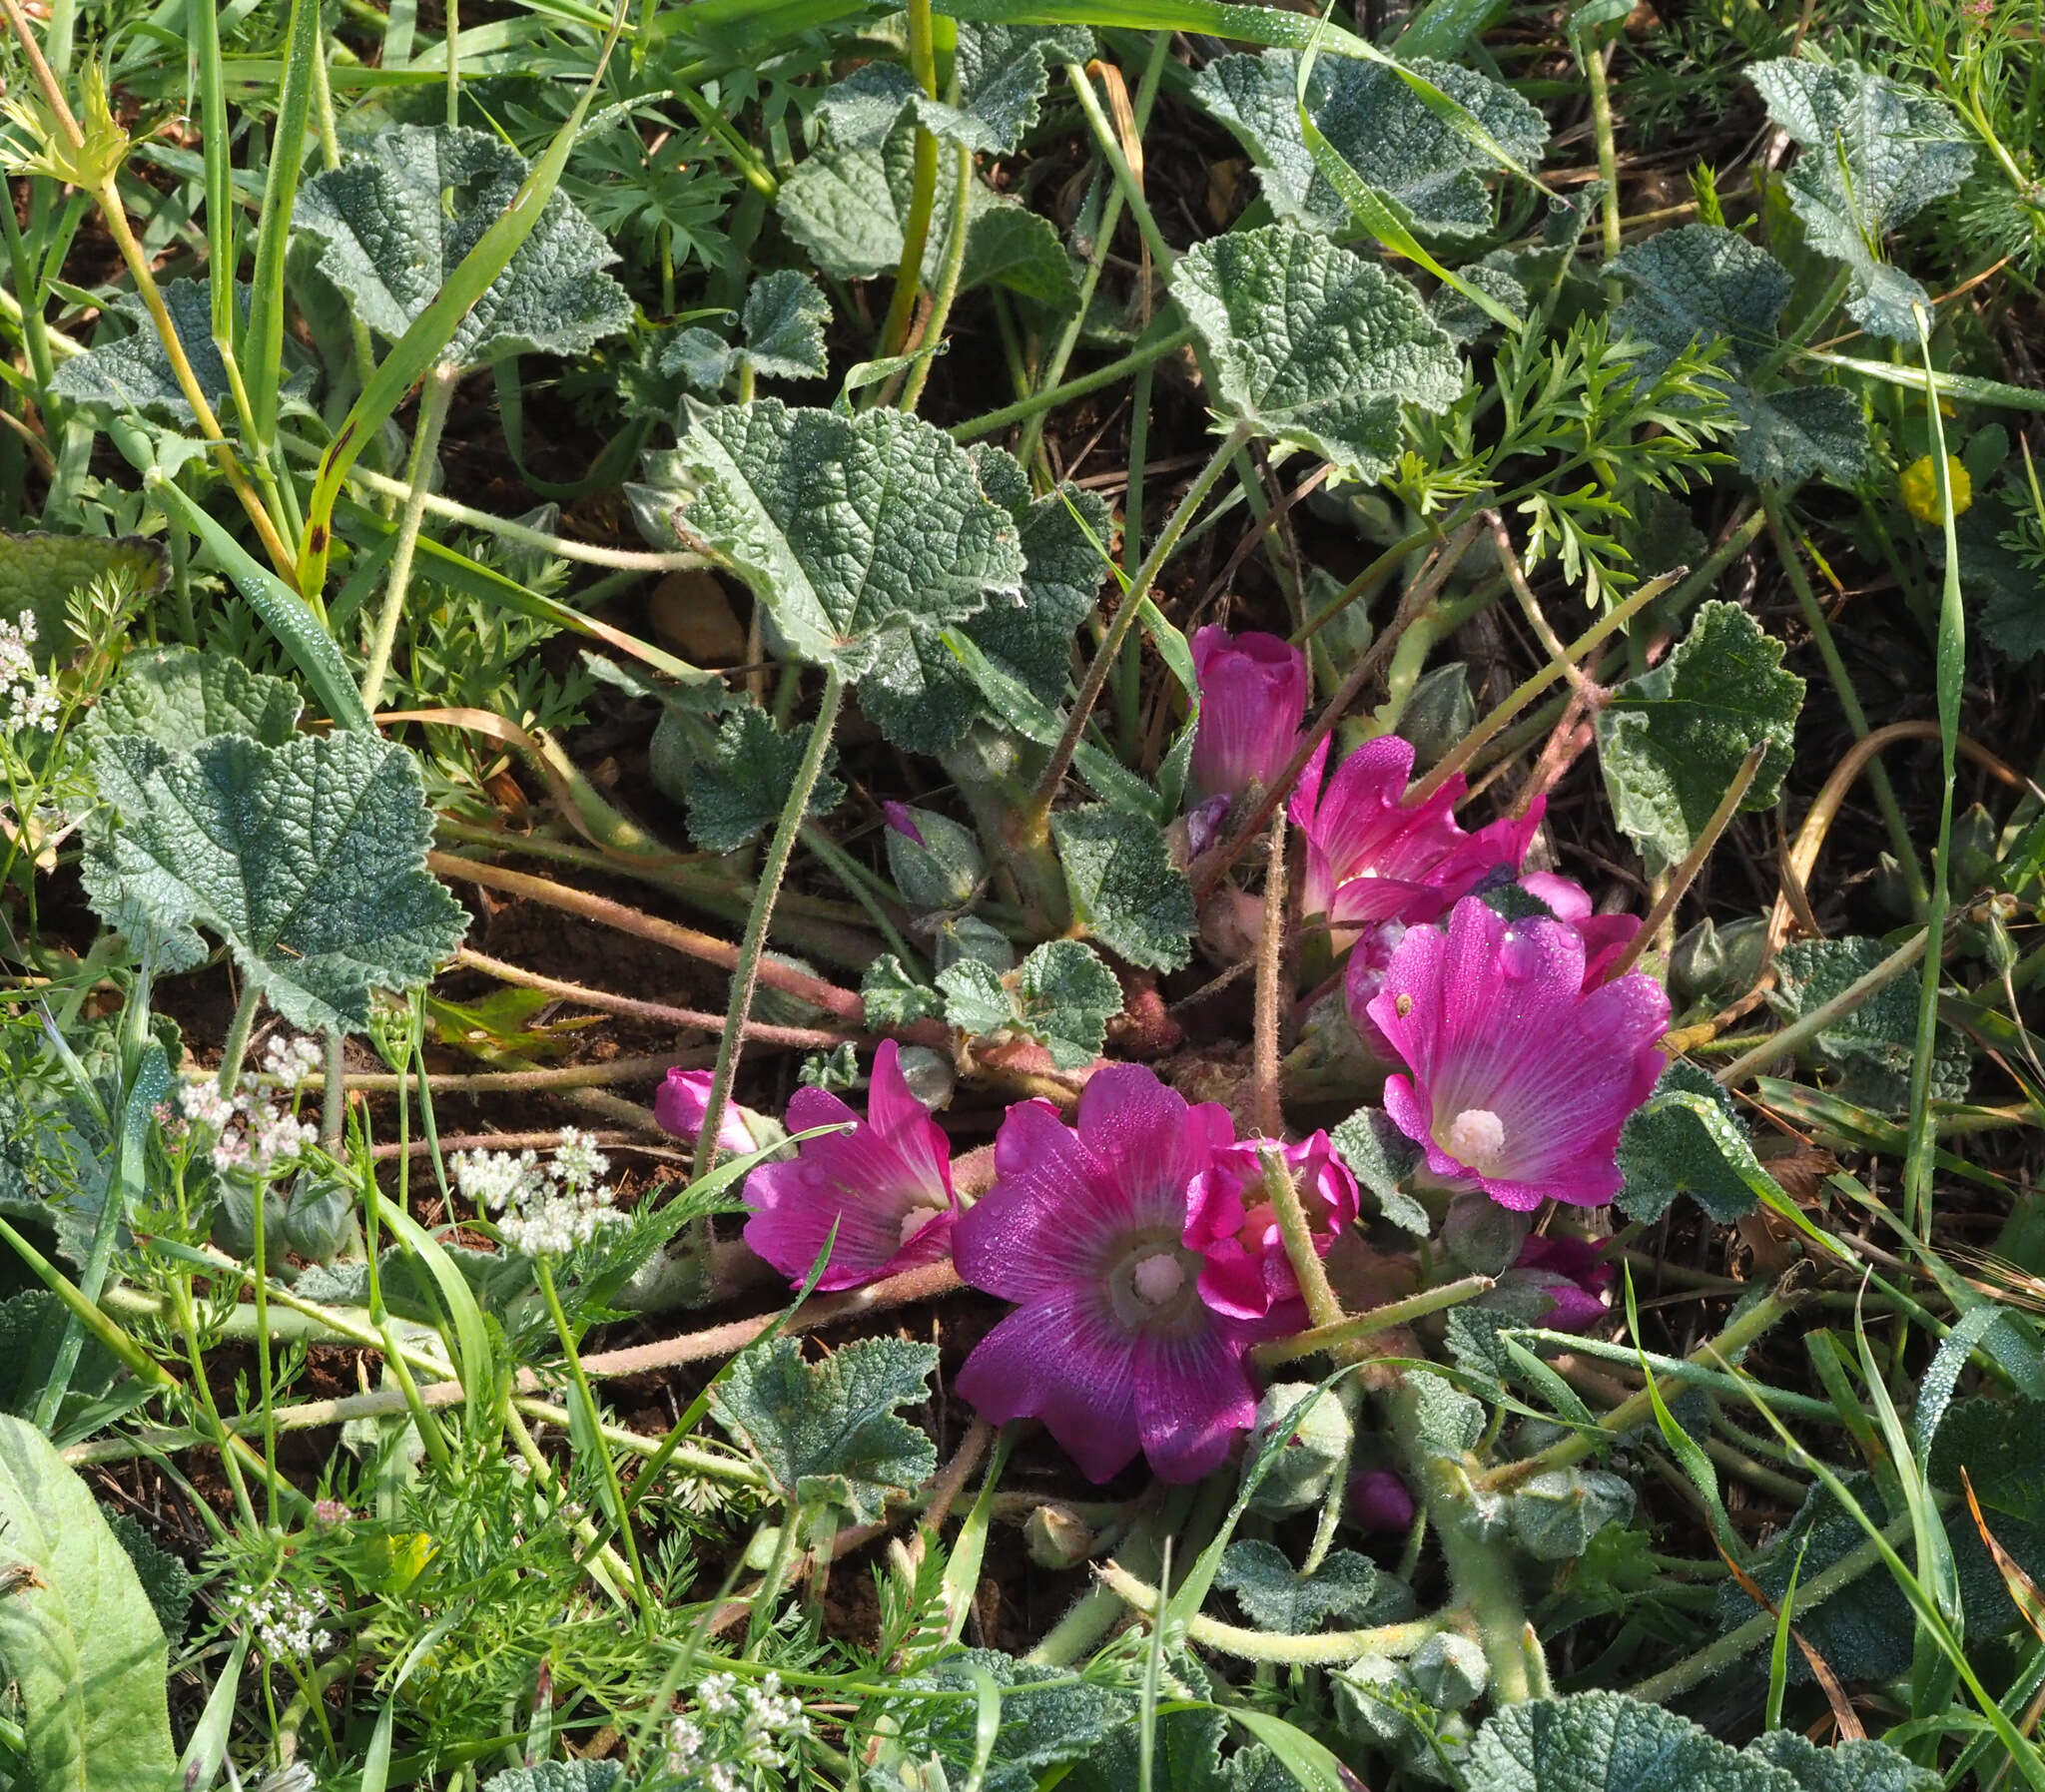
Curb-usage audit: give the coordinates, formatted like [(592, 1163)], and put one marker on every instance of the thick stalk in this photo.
[(1034, 820), (1338, 1335), (235, 1047), (922, 188), (425, 442), (1323, 1306), (1607, 152), (948, 278), (1328, 1649), (746, 972)]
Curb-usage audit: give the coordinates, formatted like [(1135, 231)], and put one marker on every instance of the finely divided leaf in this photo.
[(1673, 740), (1431, 173), (39, 572), (1688, 1139), (1124, 889), (179, 697), (847, 528), (1313, 346), (1703, 282), (828, 1431), (78, 1635), (744, 785), (1873, 155), (403, 210), (308, 860)]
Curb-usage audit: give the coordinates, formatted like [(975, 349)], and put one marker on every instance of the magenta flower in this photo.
[(1231, 1223), (902, 818), (683, 1101), (1605, 937), (1371, 856), (886, 1184), (1571, 1273), (1252, 701), (1364, 975), (1379, 1500), (1110, 1343), (1518, 1078)]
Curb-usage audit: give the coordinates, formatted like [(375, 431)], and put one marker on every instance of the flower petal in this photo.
[(1193, 1394), (1064, 1360)]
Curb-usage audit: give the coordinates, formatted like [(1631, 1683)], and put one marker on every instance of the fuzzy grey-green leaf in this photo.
[(1606, 1742), (1313, 346), (134, 372), (308, 860), (179, 697), (1346, 1587), (1130, 895), (744, 783), (1870, 1048), (391, 240), (1673, 740), (784, 320), (1686, 1139)]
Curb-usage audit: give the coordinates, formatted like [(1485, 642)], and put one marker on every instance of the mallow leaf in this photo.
[(1870, 1050), (1607, 1742), (1346, 1587), (403, 210), (1873, 154), (1124, 889), (1002, 76), (744, 783), (923, 699), (828, 1433), (165, 1581), (848, 529), (1383, 1158), (893, 997), (847, 207), (784, 320), (559, 1776), (1313, 346), (1062, 995), (306, 860), (179, 697), (134, 373), (78, 1635), (1673, 740), (39, 572), (1431, 173), (1059, 1717), (1687, 1138), (1702, 282)]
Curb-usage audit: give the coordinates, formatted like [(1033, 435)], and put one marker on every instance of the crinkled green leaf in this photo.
[(1314, 345), (403, 210), (784, 320), (1003, 74), (744, 783), (165, 1581), (1673, 740), (1688, 1139), (1607, 1742), (1871, 1048), (559, 1776), (1555, 1515), (1701, 282), (78, 1635), (700, 358), (893, 997), (1445, 1418), (1039, 1728), (1062, 995), (1413, 156), (923, 699), (828, 1431), (847, 528), (1873, 154), (1124, 889), (1186, 1747), (134, 373), (1346, 1587), (40, 571), (847, 208), (2005, 596), (179, 697), (307, 860), (1382, 1158), (1862, 1765)]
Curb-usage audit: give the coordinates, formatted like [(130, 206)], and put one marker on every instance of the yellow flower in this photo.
[(1919, 485)]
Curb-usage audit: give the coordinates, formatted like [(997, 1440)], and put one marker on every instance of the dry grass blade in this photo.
[(2023, 1590)]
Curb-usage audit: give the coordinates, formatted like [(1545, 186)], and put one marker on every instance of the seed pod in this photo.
[(936, 862), (1482, 1236)]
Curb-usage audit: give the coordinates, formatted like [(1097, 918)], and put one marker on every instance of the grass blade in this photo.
[(261, 346)]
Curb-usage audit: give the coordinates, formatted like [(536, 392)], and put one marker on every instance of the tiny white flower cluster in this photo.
[(754, 1726), (28, 698), (543, 1210), (287, 1623), (248, 1133)]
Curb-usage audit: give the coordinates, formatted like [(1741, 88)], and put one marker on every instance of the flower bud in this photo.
[(1439, 713), (1306, 1464), (1718, 964), (968, 936), (1057, 1539), (1449, 1672), (1252, 701), (1379, 1500), (935, 862), (1482, 1236), (930, 1075)]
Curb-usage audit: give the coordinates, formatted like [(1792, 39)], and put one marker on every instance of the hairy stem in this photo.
[(1337, 1334), (922, 188)]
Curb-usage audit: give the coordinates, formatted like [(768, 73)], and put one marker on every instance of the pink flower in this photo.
[(1571, 1273), (1520, 1078), (1369, 959), (1252, 701), (1371, 856), (886, 1184), (1110, 1343), (1605, 937), (1234, 1226), (1379, 1500), (902, 818), (682, 1102)]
